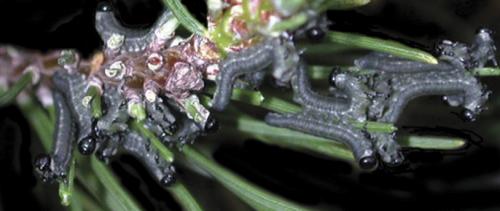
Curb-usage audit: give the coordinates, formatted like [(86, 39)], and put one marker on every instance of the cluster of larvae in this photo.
[(154, 78)]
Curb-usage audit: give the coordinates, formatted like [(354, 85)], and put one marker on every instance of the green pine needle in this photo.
[(115, 196), (40, 122), (376, 44), (284, 137), (9, 95), (120, 199), (341, 4), (95, 102), (178, 190), (282, 106), (433, 143), (185, 18), (82, 201), (66, 187), (164, 151), (184, 197), (287, 138), (487, 71)]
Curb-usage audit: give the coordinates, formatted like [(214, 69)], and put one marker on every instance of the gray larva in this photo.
[(187, 133), (380, 97), (355, 106), (250, 60), (160, 120), (358, 92), (74, 88), (304, 95), (64, 138), (437, 83), (138, 147), (250, 81), (135, 40), (355, 139), (115, 114)]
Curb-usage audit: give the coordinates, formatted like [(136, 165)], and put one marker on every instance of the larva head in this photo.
[(104, 6), (332, 77), (169, 178), (211, 124), (42, 162), (315, 34), (87, 146), (368, 163)]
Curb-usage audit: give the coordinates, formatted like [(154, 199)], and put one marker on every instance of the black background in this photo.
[(463, 179)]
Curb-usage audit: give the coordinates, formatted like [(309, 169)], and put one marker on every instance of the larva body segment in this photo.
[(359, 144), (160, 119), (114, 118), (130, 40), (387, 148), (313, 101), (139, 147), (250, 60), (57, 164), (74, 88), (456, 83)]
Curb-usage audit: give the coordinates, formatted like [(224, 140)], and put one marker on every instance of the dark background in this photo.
[(464, 179)]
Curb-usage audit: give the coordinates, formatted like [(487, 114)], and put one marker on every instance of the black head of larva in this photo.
[(87, 146), (168, 180), (104, 6), (212, 125), (172, 128), (396, 160), (332, 76), (42, 162), (315, 34), (368, 163), (469, 115)]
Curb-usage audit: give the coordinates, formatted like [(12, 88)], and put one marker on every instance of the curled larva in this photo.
[(434, 83), (64, 136), (253, 59), (57, 165), (354, 139), (310, 100), (140, 147), (355, 106), (117, 36)]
